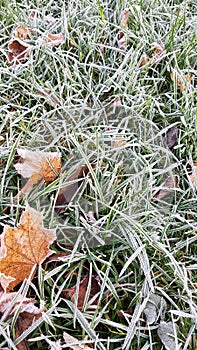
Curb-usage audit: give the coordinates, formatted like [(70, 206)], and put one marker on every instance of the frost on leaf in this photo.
[(155, 308), (166, 334), (74, 343), (193, 175), (171, 136), (38, 165), (121, 38), (52, 39), (167, 188), (15, 302), (21, 32), (183, 83), (81, 291), (24, 247)]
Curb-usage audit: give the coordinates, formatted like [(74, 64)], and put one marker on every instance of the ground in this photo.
[(115, 94)]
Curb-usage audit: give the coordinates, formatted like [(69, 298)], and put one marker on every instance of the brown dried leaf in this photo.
[(18, 51), (183, 84), (172, 135), (24, 247), (125, 18), (67, 192), (51, 99), (193, 176), (144, 59), (38, 165), (159, 52), (166, 188), (74, 343), (28, 311), (121, 38), (71, 293), (21, 32), (53, 39)]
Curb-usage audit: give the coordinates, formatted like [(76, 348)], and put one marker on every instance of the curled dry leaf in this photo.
[(121, 39), (80, 293), (166, 188), (74, 343), (24, 247), (125, 18), (53, 39), (67, 192), (51, 99), (193, 176), (183, 83), (21, 32), (28, 311), (171, 136), (158, 54), (19, 51), (38, 165), (144, 59), (55, 345)]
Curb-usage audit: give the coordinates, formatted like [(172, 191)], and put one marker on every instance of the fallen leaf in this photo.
[(56, 257), (24, 247), (74, 343), (52, 39), (172, 135), (71, 293), (193, 176), (38, 165), (119, 142), (56, 345), (159, 52), (166, 188), (21, 32), (125, 18), (67, 192), (144, 59), (165, 332), (51, 99), (121, 38), (183, 83), (19, 51), (155, 308), (14, 302)]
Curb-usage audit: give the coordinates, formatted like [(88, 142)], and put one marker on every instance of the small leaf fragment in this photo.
[(166, 334), (183, 83), (19, 51), (170, 184), (121, 38), (144, 59), (52, 40), (74, 343), (155, 307), (70, 293), (193, 175), (172, 135), (21, 32)]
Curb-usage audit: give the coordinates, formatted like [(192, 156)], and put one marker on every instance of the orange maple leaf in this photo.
[(24, 247), (38, 165)]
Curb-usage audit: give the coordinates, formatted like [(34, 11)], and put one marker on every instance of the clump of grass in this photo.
[(137, 247)]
